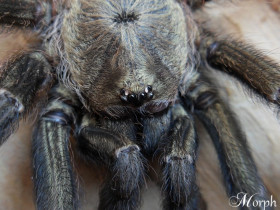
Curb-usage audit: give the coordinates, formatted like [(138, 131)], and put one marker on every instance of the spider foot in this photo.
[(122, 190), (128, 169), (116, 202), (178, 182)]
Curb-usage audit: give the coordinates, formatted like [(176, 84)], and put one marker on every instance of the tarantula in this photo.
[(126, 78)]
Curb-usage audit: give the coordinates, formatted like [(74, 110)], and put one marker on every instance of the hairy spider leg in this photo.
[(113, 143), (19, 12), (54, 179), (23, 81), (238, 167), (178, 154), (244, 62)]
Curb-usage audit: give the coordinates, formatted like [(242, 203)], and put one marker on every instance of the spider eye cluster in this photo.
[(137, 99), (117, 44)]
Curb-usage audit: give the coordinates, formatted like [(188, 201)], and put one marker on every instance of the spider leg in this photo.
[(55, 184), (22, 80), (19, 12), (238, 167), (154, 128), (113, 143), (178, 149), (245, 63)]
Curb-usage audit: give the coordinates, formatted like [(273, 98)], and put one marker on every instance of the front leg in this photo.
[(23, 80), (179, 148), (54, 180), (238, 167), (113, 143)]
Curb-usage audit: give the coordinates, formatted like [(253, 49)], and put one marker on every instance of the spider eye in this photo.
[(132, 98), (142, 96), (123, 92), (150, 95), (149, 89)]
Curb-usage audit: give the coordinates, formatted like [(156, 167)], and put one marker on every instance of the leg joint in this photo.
[(11, 99), (58, 116)]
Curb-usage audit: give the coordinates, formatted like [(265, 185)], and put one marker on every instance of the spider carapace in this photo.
[(130, 53)]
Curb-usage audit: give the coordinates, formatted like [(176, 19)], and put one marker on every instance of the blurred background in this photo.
[(253, 21)]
